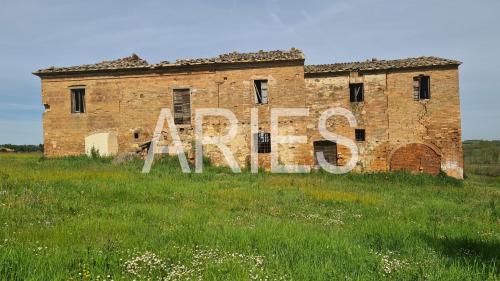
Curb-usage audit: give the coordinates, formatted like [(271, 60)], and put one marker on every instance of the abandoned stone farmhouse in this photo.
[(407, 110)]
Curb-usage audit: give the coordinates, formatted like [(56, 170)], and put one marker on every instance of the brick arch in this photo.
[(416, 157)]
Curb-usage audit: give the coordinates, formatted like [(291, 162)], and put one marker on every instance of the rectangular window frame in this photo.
[(354, 96), (263, 142), (77, 96), (420, 92), (182, 113), (329, 149), (360, 134), (261, 91)]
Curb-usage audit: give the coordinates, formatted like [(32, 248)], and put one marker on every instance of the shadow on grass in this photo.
[(467, 249)]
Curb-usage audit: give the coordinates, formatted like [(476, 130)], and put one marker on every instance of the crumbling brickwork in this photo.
[(124, 97), (392, 118), (416, 157)]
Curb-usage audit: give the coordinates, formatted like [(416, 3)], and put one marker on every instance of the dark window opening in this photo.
[(360, 134), (78, 100), (136, 135), (182, 106), (260, 91), (329, 149), (356, 92), (421, 87), (263, 142), (46, 106)]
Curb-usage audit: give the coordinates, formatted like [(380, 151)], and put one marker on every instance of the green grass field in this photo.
[(87, 219), (482, 157)]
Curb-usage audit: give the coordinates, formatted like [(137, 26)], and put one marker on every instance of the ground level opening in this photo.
[(329, 149)]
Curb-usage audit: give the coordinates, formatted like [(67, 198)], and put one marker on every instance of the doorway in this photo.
[(329, 149)]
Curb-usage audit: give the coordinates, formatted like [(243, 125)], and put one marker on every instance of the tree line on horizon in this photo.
[(23, 147)]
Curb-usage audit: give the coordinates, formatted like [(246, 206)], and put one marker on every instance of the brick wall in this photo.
[(129, 103), (392, 118), (416, 157)]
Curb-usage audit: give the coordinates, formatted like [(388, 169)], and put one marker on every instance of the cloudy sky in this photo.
[(38, 34)]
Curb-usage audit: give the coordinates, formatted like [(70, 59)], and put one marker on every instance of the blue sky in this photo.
[(38, 34)]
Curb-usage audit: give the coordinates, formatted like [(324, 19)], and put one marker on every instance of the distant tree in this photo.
[(494, 156), (481, 152), (24, 147)]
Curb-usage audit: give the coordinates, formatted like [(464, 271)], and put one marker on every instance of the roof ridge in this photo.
[(261, 55), (378, 64), (134, 61), (383, 60)]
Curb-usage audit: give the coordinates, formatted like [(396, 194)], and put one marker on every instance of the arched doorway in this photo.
[(416, 157)]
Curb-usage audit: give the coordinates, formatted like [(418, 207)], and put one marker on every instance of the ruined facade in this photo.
[(407, 111)]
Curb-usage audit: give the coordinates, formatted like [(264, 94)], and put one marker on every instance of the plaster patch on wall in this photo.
[(452, 169), (106, 144)]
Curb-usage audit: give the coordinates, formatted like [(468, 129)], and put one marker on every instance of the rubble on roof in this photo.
[(134, 62), (375, 64), (292, 54)]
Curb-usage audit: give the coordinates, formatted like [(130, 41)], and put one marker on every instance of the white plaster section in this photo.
[(105, 143), (452, 169)]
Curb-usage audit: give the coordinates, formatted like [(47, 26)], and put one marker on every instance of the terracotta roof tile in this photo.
[(135, 62), (292, 54), (375, 64)]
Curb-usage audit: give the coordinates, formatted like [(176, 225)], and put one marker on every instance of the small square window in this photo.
[(77, 100), (356, 91), (421, 87), (263, 142), (136, 135), (261, 96), (359, 134)]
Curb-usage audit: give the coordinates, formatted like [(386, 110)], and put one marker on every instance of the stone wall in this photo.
[(128, 105), (333, 91), (392, 118)]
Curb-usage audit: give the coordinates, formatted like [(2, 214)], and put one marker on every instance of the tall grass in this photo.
[(77, 218), (482, 157)]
